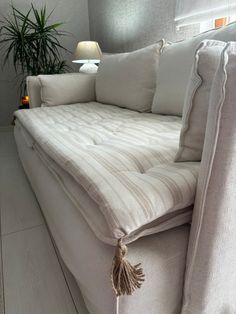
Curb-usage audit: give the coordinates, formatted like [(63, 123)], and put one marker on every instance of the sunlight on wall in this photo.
[(216, 23)]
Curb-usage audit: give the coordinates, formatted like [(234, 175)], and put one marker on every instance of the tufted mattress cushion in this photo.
[(122, 159)]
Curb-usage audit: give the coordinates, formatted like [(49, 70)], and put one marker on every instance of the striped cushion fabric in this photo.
[(123, 159)]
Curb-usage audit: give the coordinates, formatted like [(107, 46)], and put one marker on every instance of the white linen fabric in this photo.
[(207, 60), (129, 79), (210, 279), (70, 88), (192, 11), (123, 159), (89, 259), (34, 91), (174, 70)]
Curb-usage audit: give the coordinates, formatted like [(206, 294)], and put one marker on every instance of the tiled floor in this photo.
[(32, 278)]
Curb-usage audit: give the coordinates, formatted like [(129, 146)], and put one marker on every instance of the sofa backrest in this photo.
[(175, 66)]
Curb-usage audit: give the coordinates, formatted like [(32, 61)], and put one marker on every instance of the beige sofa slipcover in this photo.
[(86, 218), (82, 232), (89, 259), (210, 279)]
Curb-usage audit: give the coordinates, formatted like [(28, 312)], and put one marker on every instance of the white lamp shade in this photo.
[(87, 52)]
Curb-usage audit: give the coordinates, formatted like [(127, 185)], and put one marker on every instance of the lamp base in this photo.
[(88, 68)]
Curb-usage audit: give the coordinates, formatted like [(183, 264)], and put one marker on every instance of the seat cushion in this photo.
[(175, 66), (129, 79), (207, 60), (122, 159)]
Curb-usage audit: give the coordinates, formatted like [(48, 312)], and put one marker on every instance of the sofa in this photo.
[(118, 161)]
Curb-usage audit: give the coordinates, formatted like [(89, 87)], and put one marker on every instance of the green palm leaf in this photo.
[(31, 43)]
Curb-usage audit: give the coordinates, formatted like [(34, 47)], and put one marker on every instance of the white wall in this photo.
[(124, 25), (74, 13)]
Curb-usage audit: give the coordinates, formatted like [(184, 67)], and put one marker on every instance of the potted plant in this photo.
[(32, 43)]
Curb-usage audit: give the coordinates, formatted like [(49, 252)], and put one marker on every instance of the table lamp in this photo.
[(87, 53)]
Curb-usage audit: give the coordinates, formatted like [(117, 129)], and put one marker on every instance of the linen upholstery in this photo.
[(129, 79), (123, 159), (70, 88), (175, 66), (207, 59), (210, 279), (34, 91), (162, 255)]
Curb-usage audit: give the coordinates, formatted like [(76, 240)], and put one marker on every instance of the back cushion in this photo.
[(207, 60), (129, 79), (175, 67)]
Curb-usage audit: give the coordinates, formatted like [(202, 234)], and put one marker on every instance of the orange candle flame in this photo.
[(25, 100)]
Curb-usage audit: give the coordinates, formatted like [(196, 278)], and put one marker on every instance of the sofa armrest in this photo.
[(34, 91), (63, 89), (60, 89), (210, 273)]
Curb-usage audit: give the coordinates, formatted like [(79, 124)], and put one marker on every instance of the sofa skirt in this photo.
[(162, 255)]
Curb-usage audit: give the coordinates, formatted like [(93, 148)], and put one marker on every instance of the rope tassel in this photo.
[(126, 278)]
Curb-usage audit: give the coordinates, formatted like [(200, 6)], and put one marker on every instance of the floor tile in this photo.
[(7, 144), (33, 280), (19, 207)]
